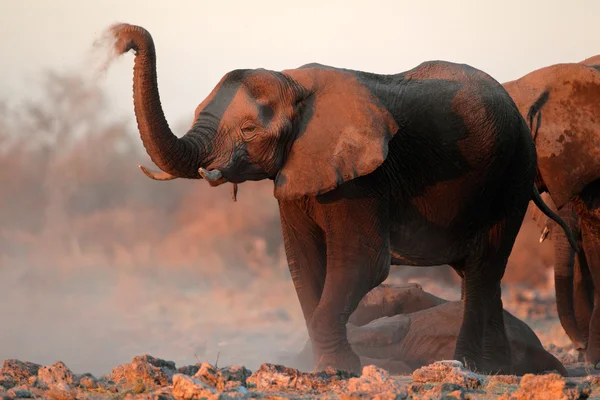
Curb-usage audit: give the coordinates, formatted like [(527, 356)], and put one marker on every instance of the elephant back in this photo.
[(562, 105)]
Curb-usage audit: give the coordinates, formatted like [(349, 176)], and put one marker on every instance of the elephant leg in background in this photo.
[(583, 293), (564, 263), (588, 208)]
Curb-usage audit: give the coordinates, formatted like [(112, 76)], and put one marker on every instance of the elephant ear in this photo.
[(343, 133)]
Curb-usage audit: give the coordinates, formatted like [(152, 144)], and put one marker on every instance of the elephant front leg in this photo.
[(304, 243), (564, 262), (591, 242), (583, 293), (587, 205), (358, 259)]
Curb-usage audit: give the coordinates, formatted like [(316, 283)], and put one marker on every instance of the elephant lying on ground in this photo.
[(562, 104), (426, 167), (573, 283), (402, 328)]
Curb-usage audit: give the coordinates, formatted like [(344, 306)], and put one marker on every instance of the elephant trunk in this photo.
[(179, 157)]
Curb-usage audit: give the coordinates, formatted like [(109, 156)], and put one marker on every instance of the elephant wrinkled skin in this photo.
[(426, 167)]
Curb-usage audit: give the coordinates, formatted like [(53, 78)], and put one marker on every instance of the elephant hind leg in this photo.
[(482, 340)]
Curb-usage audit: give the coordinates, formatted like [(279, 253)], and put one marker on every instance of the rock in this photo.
[(548, 387), (15, 372), (455, 395), (61, 391), (56, 373), (450, 372), (158, 394), (7, 382), (187, 388), (235, 377), (86, 381), (416, 389), (502, 380), (20, 393), (19, 370), (271, 377), (210, 376), (145, 370), (376, 380), (157, 362), (189, 370), (35, 382), (224, 379)]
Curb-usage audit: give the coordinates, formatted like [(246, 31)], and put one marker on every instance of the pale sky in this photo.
[(199, 41)]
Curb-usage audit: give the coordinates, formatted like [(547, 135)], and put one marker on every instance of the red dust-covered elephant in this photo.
[(562, 105), (430, 166)]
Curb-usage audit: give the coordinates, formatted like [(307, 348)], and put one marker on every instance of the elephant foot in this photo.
[(592, 357), (346, 360), (490, 366)]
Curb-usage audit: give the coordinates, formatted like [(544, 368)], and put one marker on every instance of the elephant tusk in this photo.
[(210, 176), (544, 234), (234, 191), (214, 177), (157, 175)]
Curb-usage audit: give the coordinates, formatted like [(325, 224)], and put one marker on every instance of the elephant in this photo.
[(572, 279), (429, 166), (402, 327), (562, 105)]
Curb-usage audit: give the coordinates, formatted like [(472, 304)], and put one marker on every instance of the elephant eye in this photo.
[(249, 132)]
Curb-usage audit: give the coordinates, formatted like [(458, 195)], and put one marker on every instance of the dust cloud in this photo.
[(99, 264)]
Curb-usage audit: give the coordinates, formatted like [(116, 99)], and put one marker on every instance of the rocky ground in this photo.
[(151, 378), (268, 318)]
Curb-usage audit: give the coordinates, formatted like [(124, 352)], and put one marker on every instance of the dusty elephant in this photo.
[(562, 104), (403, 328), (572, 279), (426, 167)]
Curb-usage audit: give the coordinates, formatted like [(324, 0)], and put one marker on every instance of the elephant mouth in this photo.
[(214, 177)]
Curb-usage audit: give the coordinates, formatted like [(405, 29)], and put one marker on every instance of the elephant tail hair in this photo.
[(539, 202)]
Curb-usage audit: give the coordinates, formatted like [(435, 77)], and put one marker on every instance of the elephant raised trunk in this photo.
[(177, 157)]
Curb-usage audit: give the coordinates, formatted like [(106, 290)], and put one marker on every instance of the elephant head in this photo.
[(308, 129), (561, 105)]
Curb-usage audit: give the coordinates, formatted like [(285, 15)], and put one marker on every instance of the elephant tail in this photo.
[(539, 202)]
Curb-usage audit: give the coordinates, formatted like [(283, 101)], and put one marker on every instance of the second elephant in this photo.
[(562, 105)]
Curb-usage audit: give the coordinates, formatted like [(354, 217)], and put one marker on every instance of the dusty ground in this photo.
[(169, 317)]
